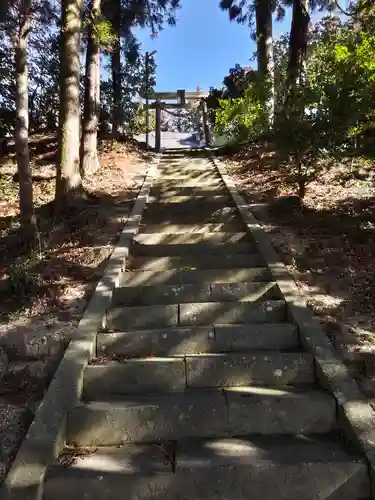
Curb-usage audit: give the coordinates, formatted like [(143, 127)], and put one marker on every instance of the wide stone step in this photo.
[(257, 468), (190, 183), (202, 276), (205, 313), (188, 168), (134, 376), (196, 216), (200, 179), (172, 173), (241, 369), (282, 468), (191, 167), (193, 340), (132, 472), (203, 206), (201, 414), (192, 219), (215, 240), (209, 292), (233, 226), (199, 214), (206, 191), (205, 261), (172, 201), (207, 176), (182, 249), (197, 371)]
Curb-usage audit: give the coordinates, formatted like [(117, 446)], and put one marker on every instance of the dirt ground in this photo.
[(43, 293), (328, 244)]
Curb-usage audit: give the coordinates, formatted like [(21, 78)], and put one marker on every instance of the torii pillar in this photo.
[(206, 127), (157, 125)]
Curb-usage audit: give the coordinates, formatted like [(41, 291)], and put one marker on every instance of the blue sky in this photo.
[(202, 47)]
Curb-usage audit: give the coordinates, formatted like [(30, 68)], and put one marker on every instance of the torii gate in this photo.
[(182, 99)]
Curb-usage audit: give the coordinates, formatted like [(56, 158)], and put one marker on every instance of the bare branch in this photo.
[(348, 14)]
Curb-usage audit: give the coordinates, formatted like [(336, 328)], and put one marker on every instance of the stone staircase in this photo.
[(200, 388)]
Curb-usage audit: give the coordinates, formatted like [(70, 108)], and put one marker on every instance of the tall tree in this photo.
[(116, 70), (15, 18), (44, 78), (124, 16), (299, 32), (242, 12), (22, 120), (298, 42), (263, 14), (89, 161), (133, 85), (68, 179)]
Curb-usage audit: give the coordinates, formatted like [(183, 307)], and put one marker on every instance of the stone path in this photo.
[(199, 388)]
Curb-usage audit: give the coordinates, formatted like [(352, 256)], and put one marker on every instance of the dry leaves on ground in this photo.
[(328, 245), (43, 293)]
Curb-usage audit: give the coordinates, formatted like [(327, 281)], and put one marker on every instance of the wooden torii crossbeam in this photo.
[(182, 99), (181, 96)]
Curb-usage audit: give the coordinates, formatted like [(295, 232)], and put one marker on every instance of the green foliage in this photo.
[(133, 79), (43, 65), (138, 121), (332, 110), (301, 136), (104, 33), (234, 86), (341, 74), (243, 117), (20, 283), (21, 280)]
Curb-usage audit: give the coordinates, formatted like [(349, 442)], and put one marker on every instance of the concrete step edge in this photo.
[(205, 371), (189, 293), (182, 249), (187, 340), (190, 262), (200, 414), (207, 238), (207, 227), (172, 277), (287, 468), (186, 314)]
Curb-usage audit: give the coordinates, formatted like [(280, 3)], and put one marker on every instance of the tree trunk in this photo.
[(298, 42), (116, 73), (27, 218), (89, 161), (263, 14), (68, 179)]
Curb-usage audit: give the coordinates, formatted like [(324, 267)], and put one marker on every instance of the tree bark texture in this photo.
[(263, 15), (116, 73), (298, 41), (68, 180), (22, 122), (89, 161)]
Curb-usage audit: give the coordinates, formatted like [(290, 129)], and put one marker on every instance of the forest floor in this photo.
[(43, 293), (328, 244)]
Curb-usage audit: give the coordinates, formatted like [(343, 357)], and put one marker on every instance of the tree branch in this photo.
[(342, 10)]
